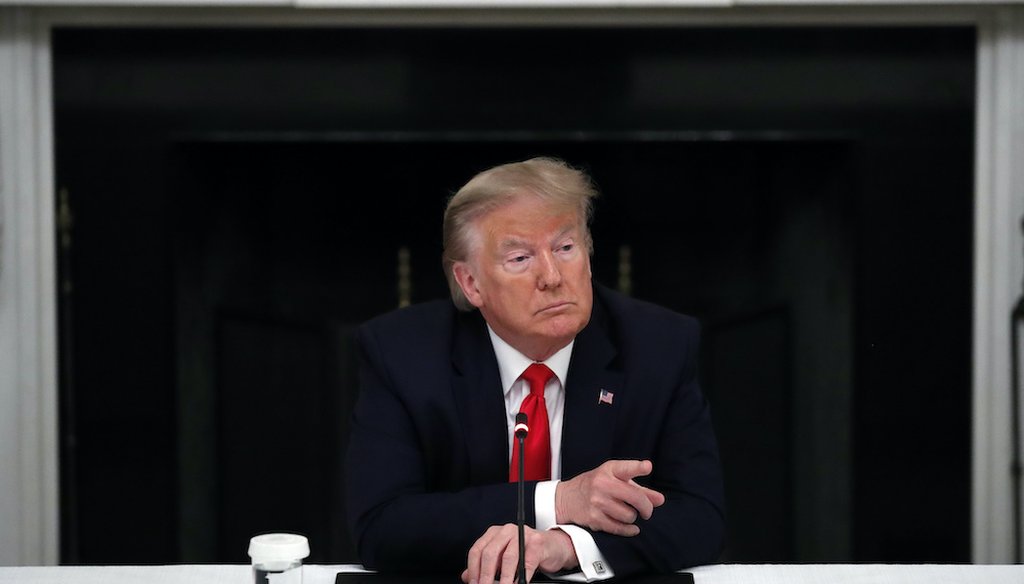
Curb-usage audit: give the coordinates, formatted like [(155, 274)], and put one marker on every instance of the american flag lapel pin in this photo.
[(605, 397)]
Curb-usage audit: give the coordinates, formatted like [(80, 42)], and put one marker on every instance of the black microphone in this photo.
[(521, 430)]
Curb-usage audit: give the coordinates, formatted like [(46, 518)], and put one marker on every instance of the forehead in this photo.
[(526, 211), (528, 216)]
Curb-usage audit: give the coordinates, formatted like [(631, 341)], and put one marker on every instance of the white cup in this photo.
[(277, 557)]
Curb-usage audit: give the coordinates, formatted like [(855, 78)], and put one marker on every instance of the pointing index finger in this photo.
[(627, 469)]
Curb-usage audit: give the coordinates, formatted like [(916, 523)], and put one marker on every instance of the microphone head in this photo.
[(522, 428)]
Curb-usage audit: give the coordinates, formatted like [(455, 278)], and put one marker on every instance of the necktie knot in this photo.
[(537, 375)]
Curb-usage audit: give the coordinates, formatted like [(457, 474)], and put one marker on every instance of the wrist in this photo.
[(560, 516), (569, 559)]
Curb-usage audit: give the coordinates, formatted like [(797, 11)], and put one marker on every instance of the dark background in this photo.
[(240, 200)]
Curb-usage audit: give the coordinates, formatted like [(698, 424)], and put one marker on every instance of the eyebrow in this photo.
[(514, 242), (565, 232)]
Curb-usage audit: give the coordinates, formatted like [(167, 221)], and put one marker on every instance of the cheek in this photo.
[(581, 271)]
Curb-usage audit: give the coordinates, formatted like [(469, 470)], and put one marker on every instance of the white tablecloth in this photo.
[(722, 574)]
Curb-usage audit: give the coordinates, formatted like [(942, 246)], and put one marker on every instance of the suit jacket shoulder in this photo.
[(642, 331), (401, 333)]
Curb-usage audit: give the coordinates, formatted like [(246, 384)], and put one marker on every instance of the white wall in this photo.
[(999, 184), (28, 438)]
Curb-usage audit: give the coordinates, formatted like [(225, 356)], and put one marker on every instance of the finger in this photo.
[(641, 503), (627, 469), (644, 500), (482, 557), (465, 576), (630, 494), (472, 573), (475, 559), (616, 528), (490, 563), (618, 511), (509, 563), (656, 498)]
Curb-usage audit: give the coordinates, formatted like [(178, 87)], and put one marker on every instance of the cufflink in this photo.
[(598, 567)]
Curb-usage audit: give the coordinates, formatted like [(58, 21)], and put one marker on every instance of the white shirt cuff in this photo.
[(592, 563), (544, 505), (593, 566)]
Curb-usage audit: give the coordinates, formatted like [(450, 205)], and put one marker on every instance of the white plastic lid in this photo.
[(278, 547)]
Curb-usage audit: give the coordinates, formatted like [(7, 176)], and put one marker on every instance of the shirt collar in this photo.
[(512, 363)]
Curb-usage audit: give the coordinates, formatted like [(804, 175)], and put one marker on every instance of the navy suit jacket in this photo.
[(427, 466)]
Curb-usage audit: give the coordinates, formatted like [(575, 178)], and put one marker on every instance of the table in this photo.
[(719, 574)]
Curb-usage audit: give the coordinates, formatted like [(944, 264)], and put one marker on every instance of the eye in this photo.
[(517, 263), (566, 249)]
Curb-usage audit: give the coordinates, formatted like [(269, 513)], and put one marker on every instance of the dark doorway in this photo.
[(242, 199)]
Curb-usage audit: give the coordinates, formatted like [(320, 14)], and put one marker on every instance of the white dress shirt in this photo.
[(511, 364)]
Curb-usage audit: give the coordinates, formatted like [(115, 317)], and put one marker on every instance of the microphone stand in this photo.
[(521, 430)]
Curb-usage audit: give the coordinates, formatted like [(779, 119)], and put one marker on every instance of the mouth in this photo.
[(555, 307)]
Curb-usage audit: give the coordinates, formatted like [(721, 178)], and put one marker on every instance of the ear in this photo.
[(467, 282)]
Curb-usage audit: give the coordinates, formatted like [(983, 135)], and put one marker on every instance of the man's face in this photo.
[(529, 274)]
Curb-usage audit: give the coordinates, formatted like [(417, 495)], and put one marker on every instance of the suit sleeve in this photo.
[(689, 529), (403, 515)]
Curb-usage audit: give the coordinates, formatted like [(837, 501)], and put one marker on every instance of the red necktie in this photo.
[(538, 441)]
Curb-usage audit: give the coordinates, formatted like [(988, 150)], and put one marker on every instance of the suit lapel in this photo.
[(478, 397), (588, 426)]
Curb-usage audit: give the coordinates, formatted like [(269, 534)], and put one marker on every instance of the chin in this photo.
[(565, 327)]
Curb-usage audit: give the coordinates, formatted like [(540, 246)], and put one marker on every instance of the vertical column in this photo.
[(28, 360), (998, 274)]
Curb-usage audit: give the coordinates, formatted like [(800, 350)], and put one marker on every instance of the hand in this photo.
[(607, 499), (495, 556)]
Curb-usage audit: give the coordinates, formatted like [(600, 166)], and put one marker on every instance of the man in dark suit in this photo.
[(622, 467)]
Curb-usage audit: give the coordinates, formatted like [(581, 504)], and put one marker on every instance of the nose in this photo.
[(549, 274)]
